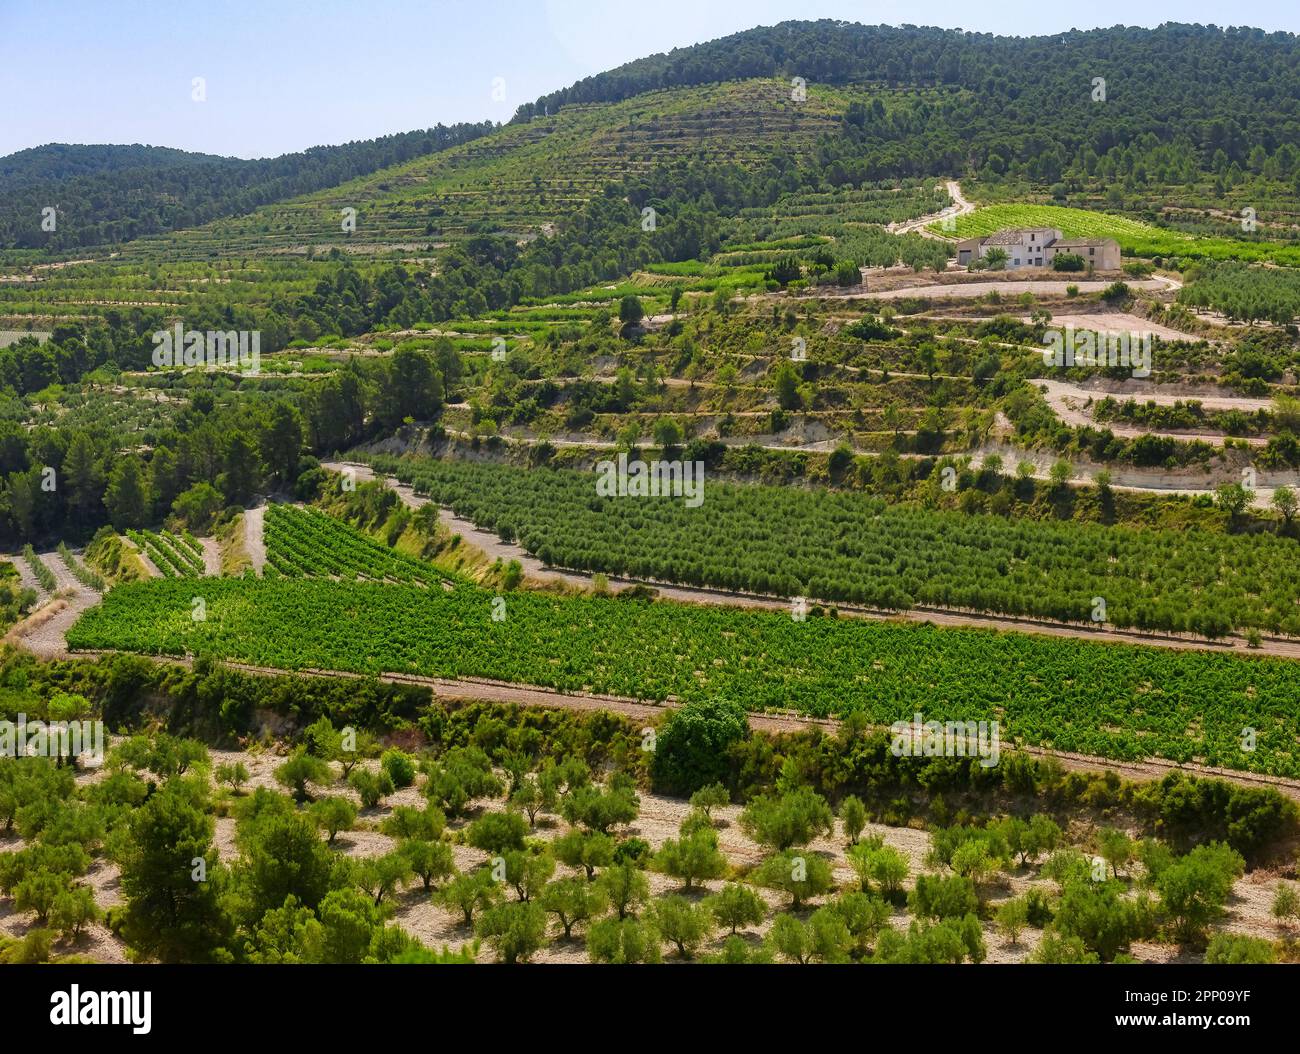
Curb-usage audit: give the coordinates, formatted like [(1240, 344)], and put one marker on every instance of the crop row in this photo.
[(852, 548), (306, 543), (1112, 700), (174, 557)]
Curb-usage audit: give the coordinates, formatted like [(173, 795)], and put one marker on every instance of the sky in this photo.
[(283, 75)]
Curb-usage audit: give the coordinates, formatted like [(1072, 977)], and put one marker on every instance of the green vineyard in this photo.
[(304, 542), (850, 548), (1118, 701), (175, 556)]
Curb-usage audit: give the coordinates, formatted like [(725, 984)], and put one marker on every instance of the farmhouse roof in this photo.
[(1016, 235), (1081, 243)]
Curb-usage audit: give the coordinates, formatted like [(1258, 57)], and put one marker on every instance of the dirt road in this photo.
[(959, 207), (1068, 402)]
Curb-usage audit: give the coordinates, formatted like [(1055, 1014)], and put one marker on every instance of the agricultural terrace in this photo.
[(303, 542), (1117, 701), (848, 547)]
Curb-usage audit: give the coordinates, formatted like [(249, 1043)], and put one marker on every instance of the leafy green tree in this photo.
[(533, 797), (943, 897), (626, 888), (853, 817), (692, 858), (371, 787), (1230, 949), (599, 810), (198, 506), (1194, 889), (38, 891), (382, 876), (1056, 949), (585, 849), (126, 499), (516, 930), (573, 900), (1232, 498), (1285, 501), (785, 379), (73, 910), (234, 773), (168, 914), (713, 796), (1117, 849), (630, 311), (408, 822), (736, 905), (333, 815), (496, 832), (399, 767), (1012, 918), (1100, 916), (802, 874), (459, 777), (882, 864), (681, 923), (864, 916), (282, 441), (791, 939), (82, 478), (528, 873), (468, 893), (1286, 903), (794, 818), (430, 861), (623, 940), (302, 768), (242, 472), (692, 747)]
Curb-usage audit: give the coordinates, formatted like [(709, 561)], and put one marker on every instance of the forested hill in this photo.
[(108, 194), (1219, 91)]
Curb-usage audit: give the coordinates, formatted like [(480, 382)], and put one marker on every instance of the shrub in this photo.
[(691, 749)]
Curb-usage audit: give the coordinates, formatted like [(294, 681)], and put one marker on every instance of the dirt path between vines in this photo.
[(45, 631), (494, 548), (254, 543), (211, 556)]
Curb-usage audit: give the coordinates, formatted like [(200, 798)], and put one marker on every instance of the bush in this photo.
[(692, 748), (1231, 949), (399, 766)]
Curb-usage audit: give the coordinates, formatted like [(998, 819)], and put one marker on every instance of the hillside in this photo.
[(524, 178), (109, 194)]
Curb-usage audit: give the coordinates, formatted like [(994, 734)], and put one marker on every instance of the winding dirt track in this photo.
[(920, 225)]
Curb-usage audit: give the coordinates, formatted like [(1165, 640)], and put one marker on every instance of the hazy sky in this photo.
[(282, 75)]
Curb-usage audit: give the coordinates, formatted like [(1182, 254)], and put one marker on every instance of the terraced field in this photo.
[(303, 542), (528, 175), (175, 555), (1110, 700)]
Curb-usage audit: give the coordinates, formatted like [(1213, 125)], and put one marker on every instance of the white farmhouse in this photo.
[(1038, 247)]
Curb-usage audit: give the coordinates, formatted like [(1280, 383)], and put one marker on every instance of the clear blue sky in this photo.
[(283, 75)]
